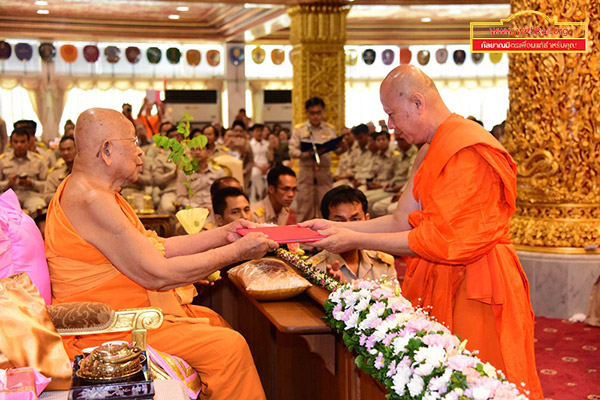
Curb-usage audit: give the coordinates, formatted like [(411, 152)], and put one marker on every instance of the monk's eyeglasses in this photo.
[(134, 140)]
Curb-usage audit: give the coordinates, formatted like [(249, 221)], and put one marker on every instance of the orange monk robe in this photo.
[(80, 272), (467, 270)]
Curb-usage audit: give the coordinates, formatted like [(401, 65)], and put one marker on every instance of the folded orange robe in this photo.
[(467, 270), (80, 272)]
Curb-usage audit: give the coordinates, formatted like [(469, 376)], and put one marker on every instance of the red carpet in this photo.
[(568, 359)]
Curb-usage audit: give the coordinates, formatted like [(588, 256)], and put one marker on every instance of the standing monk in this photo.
[(452, 224), (98, 250)]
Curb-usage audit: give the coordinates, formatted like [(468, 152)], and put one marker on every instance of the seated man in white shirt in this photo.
[(345, 204), (260, 150)]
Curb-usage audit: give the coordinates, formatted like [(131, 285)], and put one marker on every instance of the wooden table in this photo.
[(296, 353), (160, 223)]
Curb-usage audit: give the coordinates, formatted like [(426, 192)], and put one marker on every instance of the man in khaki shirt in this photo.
[(385, 163), (364, 158), (314, 179), (275, 208), (24, 172), (35, 146), (345, 170), (164, 175), (345, 204), (200, 183), (68, 151)]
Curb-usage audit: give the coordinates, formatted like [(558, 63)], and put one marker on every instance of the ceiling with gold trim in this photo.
[(400, 22)]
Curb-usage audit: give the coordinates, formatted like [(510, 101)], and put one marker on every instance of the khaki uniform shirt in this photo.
[(55, 178), (321, 134), (163, 173), (263, 213), (364, 165), (371, 264), (402, 169), (33, 165), (348, 160), (47, 154), (200, 185), (384, 164)]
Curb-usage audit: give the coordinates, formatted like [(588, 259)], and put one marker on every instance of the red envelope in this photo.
[(286, 234)]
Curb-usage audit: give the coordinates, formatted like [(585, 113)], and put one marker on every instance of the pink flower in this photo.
[(379, 361), (376, 322), (360, 284), (461, 362), (391, 369), (388, 339), (445, 341), (347, 314), (419, 324), (363, 339)]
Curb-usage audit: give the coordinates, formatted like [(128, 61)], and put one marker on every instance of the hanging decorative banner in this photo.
[(277, 56), (405, 55), (133, 54), (441, 55), (68, 52), (213, 57), (91, 53), (369, 56), (154, 55), (193, 57), (24, 51), (459, 57), (113, 54), (423, 57), (388, 56), (476, 57), (47, 51), (173, 55), (495, 57), (258, 55), (236, 54), (5, 51), (351, 57)]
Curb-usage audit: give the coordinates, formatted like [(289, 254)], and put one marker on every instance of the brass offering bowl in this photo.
[(111, 362)]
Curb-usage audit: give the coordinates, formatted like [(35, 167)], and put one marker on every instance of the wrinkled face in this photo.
[(211, 137), (315, 115), (67, 151), (403, 117), (237, 208), (125, 152), (346, 212), (284, 192), (20, 144), (382, 143)]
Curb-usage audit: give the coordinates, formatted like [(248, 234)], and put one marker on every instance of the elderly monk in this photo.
[(452, 224), (98, 250)]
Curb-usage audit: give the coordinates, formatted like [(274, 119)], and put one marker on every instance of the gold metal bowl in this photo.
[(111, 362)]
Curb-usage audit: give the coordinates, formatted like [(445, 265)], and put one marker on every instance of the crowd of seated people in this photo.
[(373, 162)]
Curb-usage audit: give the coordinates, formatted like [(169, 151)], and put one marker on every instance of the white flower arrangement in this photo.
[(413, 356)]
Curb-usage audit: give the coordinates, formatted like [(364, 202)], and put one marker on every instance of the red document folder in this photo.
[(286, 234)]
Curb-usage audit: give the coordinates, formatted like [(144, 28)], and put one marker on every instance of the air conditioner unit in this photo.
[(202, 105), (277, 107)]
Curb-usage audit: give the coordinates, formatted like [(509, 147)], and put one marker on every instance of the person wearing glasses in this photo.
[(275, 208), (98, 250)]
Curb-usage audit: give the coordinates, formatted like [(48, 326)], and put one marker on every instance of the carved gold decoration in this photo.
[(553, 133), (318, 34), (136, 320)]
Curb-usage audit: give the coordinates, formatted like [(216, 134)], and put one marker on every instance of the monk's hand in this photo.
[(254, 245), (232, 228), (334, 271), (317, 224), (338, 240)]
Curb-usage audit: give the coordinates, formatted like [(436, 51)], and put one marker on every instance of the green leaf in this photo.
[(176, 157)]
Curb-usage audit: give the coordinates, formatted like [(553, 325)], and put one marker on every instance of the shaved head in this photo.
[(96, 125), (413, 104), (405, 80)]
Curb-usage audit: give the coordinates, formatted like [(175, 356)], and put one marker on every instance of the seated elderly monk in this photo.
[(98, 250)]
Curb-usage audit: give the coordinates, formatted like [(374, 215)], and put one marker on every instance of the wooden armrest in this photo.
[(96, 318)]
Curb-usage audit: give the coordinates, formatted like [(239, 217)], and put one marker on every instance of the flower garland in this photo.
[(413, 356)]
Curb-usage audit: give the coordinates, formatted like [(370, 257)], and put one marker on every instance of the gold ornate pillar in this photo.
[(318, 34), (553, 133)]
